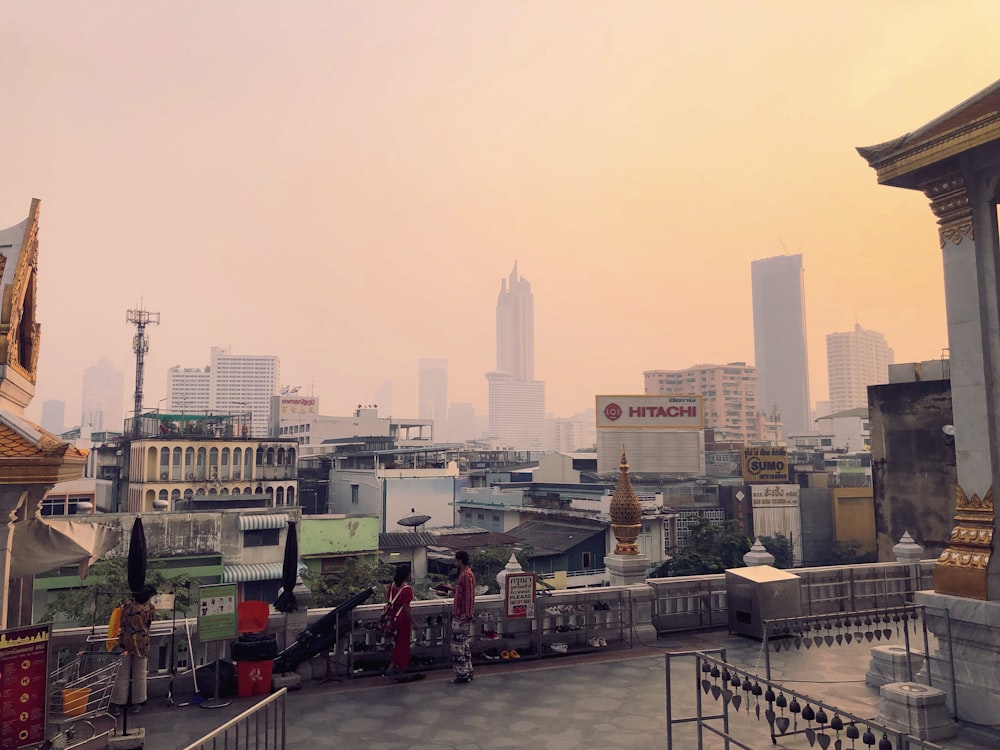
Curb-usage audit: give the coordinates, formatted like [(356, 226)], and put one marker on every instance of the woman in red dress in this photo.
[(399, 596)]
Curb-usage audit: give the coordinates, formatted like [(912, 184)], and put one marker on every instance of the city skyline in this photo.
[(420, 150)]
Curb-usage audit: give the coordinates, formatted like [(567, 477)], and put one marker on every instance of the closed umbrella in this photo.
[(289, 572), (137, 556)]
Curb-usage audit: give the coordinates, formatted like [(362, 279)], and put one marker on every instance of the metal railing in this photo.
[(788, 712), (260, 727)]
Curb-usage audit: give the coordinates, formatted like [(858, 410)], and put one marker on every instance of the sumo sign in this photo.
[(650, 412), (764, 464)]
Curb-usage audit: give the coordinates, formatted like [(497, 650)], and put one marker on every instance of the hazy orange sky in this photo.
[(345, 184)]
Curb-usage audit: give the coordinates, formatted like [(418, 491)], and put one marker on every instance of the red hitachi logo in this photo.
[(655, 412)]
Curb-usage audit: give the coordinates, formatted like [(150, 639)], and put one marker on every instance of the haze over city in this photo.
[(345, 185)]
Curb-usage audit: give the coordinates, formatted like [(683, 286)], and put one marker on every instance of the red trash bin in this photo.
[(253, 678)]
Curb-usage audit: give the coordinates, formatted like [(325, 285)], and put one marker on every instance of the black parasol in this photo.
[(137, 556), (289, 572)]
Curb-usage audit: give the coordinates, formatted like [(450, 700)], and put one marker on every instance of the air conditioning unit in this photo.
[(163, 476), (190, 477)]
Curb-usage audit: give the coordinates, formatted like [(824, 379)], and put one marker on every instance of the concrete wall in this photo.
[(854, 516), (816, 508), (913, 464)]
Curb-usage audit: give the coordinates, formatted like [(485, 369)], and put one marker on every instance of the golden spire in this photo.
[(626, 514)]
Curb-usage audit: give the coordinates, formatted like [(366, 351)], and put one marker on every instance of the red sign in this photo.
[(24, 662)]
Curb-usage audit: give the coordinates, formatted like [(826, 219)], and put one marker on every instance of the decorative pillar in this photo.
[(758, 555), (962, 568), (626, 566)]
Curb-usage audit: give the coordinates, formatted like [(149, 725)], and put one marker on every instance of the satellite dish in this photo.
[(414, 521)]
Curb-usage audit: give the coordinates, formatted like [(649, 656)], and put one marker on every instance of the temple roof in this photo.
[(30, 454), (903, 161)]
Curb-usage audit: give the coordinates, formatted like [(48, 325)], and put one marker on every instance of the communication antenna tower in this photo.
[(140, 345)]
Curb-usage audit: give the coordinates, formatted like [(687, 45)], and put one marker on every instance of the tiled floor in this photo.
[(610, 699)]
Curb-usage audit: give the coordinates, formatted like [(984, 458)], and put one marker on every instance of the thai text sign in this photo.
[(774, 494), (650, 412), (217, 612), (519, 595), (765, 464), (24, 657)]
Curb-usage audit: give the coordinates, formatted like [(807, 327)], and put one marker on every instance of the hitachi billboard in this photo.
[(650, 412)]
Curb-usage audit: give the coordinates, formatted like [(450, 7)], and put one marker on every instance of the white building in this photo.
[(235, 383), (54, 416), (189, 389), (570, 434), (103, 392), (298, 417), (517, 400), (517, 412), (855, 360)]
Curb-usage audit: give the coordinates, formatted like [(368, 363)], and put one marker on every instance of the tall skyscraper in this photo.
[(103, 394), (779, 335), (232, 383), (383, 398), (517, 400), (729, 392), (434, 396), (855, 360), (54, 416), (516, 328)]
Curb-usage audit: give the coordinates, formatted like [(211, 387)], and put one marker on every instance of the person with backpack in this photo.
[(398, 599)]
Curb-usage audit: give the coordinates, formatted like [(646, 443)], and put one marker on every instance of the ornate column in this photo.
[(962, 568), (626, 566)]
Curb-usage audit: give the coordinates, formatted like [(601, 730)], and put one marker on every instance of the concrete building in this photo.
[(235, 382), (517, 412), (103, 393), (462, 422), (188, 461), (913, 458), (571, 434), (54, 416), (517, 400), (729, 393), (855, 360), (433, 401), (779, 333), (849, 430), (298, 417), (189, 389)]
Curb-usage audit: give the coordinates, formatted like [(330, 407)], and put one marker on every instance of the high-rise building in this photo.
[(516, 328), (462, 422), (54, 416), (855, 360), (245, 382), (517, 400), (779, 334), (189, 389), (233, 383), (383, 398), (729, 393), (434, 396), (103, 394)]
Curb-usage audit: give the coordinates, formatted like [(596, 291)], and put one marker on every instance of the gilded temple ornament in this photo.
[(626, 513)]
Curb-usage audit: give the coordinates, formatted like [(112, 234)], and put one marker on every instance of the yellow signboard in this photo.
[(765, 464)]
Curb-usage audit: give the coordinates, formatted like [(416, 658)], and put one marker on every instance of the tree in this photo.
[(780, 546), (358, 573), (849, 553), (104, 589), (710, 549)]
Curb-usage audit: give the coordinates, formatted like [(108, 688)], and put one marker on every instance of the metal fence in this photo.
[(727, 697), (261, 727)]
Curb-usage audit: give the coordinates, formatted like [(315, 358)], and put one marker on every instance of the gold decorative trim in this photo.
[(625, 512), (961, 568), (949, 199)]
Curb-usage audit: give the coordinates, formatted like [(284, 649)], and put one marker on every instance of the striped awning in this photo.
[(263, 521), (255, 572)]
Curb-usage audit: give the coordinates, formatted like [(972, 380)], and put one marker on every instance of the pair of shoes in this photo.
[(594, 643), (134, 709), (491, 654), (559, 647), (604, 642), (509, 655), (490, 635), (460, 680), (114, 709)]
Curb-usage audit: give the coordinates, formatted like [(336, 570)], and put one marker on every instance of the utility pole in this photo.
[(140, 345)]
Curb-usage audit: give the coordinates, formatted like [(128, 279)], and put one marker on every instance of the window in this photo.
[(260, 538), (355, 491), (587, 561), (480, 516)]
